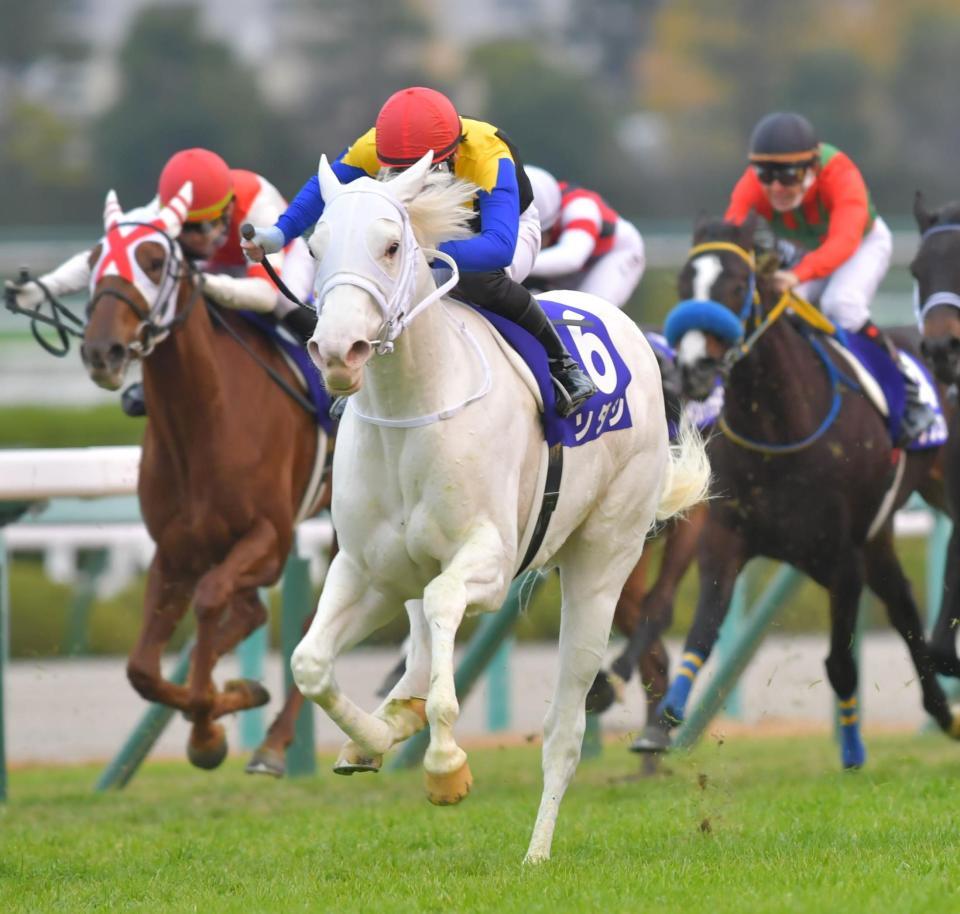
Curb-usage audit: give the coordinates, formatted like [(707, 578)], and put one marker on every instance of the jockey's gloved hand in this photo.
[(790, 254), (266, 240), (27, 295)]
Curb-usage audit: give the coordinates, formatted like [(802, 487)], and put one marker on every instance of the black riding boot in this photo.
[(498, 293), (301, 323), (574, 386), (917, 415)]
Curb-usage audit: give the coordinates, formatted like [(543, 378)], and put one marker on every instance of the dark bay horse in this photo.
[(936, 270), (229, 464), (804, 472)]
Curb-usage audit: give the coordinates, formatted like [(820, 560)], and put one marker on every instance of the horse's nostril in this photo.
[(358, 353), (954, 344)]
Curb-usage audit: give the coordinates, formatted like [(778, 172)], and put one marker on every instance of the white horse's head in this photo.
[(368, 246)]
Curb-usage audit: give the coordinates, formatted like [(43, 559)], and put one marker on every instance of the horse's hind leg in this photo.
[(886, 579), (943, 638), (590, 585)]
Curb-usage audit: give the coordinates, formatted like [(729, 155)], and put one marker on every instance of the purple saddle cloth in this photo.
[(588, 341)]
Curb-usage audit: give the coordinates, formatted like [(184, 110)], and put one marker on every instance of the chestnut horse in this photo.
[(805, 471), (936, 270), (230, 463)]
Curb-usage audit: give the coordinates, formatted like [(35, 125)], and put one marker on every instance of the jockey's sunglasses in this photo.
[(788, 175)]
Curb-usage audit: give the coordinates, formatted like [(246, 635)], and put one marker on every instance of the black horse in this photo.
[(936, 269), (804, 472)]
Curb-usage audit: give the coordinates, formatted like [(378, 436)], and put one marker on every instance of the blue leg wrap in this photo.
[(853, 753), (674, 704)]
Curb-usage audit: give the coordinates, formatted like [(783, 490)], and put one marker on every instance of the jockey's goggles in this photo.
[(788, 174), (207, 227)]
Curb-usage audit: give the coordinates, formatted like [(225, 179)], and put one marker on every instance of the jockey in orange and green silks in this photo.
[(813, 194), (500, 254)]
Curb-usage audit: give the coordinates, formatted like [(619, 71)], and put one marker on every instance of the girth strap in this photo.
[(551, 495)]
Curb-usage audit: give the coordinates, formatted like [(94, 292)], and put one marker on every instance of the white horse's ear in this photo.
[(329, 182), (409, 183), (174, 214), (111, 210)]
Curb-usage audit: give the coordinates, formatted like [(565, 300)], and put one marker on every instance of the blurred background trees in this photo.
[(649, 102)]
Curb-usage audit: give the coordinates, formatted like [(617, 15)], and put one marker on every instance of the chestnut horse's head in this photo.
[(716, 293), (936, 272), (134, 287)]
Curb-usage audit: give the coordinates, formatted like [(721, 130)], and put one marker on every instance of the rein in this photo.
[(274, 375), (811, 316), (58, 311), (935, 299)]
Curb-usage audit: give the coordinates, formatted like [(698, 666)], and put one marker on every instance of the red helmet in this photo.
[(212, 182), (413, 121)]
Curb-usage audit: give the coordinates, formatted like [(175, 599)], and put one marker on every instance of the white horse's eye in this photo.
[(393, 248)]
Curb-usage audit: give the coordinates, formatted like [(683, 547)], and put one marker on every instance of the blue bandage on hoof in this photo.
[(708, 316), (674, 704), (853, 753)]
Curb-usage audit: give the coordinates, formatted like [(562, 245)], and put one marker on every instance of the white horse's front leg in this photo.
[(404, 709), (474, 577), (349, 609)]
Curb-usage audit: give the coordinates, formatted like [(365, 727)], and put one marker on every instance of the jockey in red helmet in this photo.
[(811, 193), (493, 262), (223, 199), (587, 245)]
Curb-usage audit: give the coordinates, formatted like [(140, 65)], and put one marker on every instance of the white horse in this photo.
[(439, 467)]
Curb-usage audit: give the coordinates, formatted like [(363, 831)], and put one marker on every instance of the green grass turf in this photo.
[(740, 825)]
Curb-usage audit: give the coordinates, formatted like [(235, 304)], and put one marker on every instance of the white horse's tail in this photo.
[(688, 472)]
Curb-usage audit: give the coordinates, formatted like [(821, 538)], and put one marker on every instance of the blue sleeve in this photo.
[(494, 246), (307, 206)]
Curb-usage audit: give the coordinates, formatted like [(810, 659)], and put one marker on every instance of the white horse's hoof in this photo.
[(449, 789), (532, 859), (353, 760)]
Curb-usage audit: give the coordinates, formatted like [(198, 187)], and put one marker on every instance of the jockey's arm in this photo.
[(71, 276), (255, 291), (492, 248), (845, 194), (747, 195), (581, 222)]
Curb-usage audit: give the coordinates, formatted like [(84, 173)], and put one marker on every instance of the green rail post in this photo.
[(90, 565), (4, 650), (490, 634), (138, 745), (251, 653), (729, 637), (784, 583), (592, 745), (498, 688), (297, 597)]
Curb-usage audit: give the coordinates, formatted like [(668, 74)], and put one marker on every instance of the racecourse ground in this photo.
[(742, 824)]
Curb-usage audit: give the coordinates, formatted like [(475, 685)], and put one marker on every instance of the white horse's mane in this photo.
[(442, 210)]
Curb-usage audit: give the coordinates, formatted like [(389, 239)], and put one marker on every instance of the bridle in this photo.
[(162, 317), (935, 299), (709, 314)]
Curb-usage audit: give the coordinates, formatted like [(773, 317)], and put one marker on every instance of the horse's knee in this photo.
[(312, 674)]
